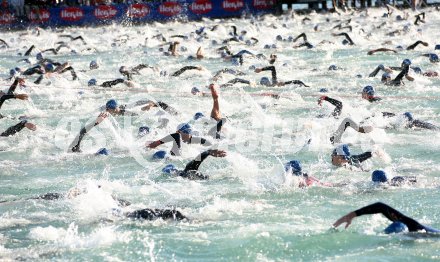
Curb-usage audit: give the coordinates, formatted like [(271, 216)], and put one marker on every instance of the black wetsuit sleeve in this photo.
[(183, 69), (150, 214), (423, 124), (3, 98), (195, 164), (295, 82), (274, 72), (113, 82), (77, 147), (13, 87), (303, 35), (14, 129), (336, 103), (391, 214), (238, 80), (28, 52), (413, 46), (388, 114), (72, 72), (399, 77)]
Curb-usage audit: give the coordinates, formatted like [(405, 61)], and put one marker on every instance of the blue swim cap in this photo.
[(241, 38), (433, 58), (290, 39), (417, 70), (143, 130), (18, 69), (214, 42), (198, 115), (265, 81), (279, 38), (39, 56), (248, 42), (93, 65), (12, 72), (342, 150), (185, 128), (369, 90), (386, 76), (111, 104), (159, 155), (195, 90), (169, 169), (333, 67), (396, 227), (399, 47), (183, 49), (379, 176), (406, 62), (294, 166), (236, 61), (103, 151), (49, 67), (252, 67), (274, 46), (92, 82), (161, 49), (409, 116), (323, 90), (266, 46), (345, 42), (399, 18), (437, 47)]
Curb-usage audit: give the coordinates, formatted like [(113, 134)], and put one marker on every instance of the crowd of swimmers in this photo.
[(184, 134)]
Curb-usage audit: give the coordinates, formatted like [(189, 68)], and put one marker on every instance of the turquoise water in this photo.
[(249, 210)]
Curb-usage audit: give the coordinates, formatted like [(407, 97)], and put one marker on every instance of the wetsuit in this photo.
[(355, 160), (393, 215), (112, 82), (413, 46), (191, 169), (275, 80), (398, 80), (235, 81), (337, 103), (347, 37), (14, 129), (152, 214), (177, 142), (183, 69)]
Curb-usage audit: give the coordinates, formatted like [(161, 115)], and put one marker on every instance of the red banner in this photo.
[(105, 12), (71, 14), (6, 17), (170, 9), (201, 7), (138, 10), (41, 16), (263, 4), (232, 5)]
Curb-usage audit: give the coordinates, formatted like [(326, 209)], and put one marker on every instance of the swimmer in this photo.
[(294, 168), (135, 70), (234, 72), (111, 83), (150, 104), (347, 39), (72, 38), (186, 68), (433, 58), (382, 49), (3, 43), (18, 127), (368, 94), (183, 134), (199, 54), (236, 81), (191, 170), (380, 177), (111, 108), (412, 123), (348, 122), (400, 222), (413, 46), (341, 156), (275, 82), (336, 103), (153, 214)]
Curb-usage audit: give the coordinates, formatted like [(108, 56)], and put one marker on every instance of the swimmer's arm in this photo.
[(413, 46), (272, 69), (378, 68), (28, 52), (332, 101), (199, 140), (302, 35), (381, 50), (185, 68), (113, 82), (169, 138), (76, 144), (195, 164)]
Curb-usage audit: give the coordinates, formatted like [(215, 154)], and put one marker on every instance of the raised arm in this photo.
[(195, 164)]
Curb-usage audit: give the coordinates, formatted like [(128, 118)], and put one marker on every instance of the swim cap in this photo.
[(359, 76), (198, 115), (279, 38), (49, 68), (369, 90), (103, 151), (265, 81), (94, 65), (39, 56), (143, 130), (345, 42), (437, 47), (111, 104), (406, 28), (195, 90), (433, 58), (399, 18), (200, 30), (406, 62), (294, 166), (248, 42), (333, 67), (266, 46), (18, 69), (214, 42), (92, 82), (385, 15), (169, 169), (399, 47), (184, 128), (274, 46), (342, 150), (323, 90), (379, 176), (163, 73), (409, 116), (12, 72), (290, 39), (386, 76), (396, 227), (159, 155), (417, 70), (123, 69), (252, 67), (184, 49), (241, 38)]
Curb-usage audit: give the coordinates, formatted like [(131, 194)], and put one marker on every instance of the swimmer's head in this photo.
[(290, 39), (408, 116), (214, 42), (342, 150), (323, 90), (433, 58), (184, 128), (265, 81), (279, 38), (386, 77), (248, 42), (235, 61), (12, 72), (49, 67), (294, 167), (274, 46), (143, 130), (437, 47), (417, 70), (103, 152), (169, 169), (399, 47), (385, 15), (184, 49), (159, 155), (399, 18), (92, 82), (406, 62), (198, 115), (266, 47), (379, 176), (252, 67), (123, 69), (39, 56), (195, 91), (396, 227), (345, 42), (368, 91), (93, 65), (111, 104), (333, 67), (18, 69)]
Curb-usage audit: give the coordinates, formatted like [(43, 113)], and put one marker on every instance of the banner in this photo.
[(136, 13)]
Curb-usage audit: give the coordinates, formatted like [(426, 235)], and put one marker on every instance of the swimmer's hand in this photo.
[(101, 118), (217, 153), (154, 144), (345, 219), (30, 126), (22, 96), (258, 70), (321, 99)]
